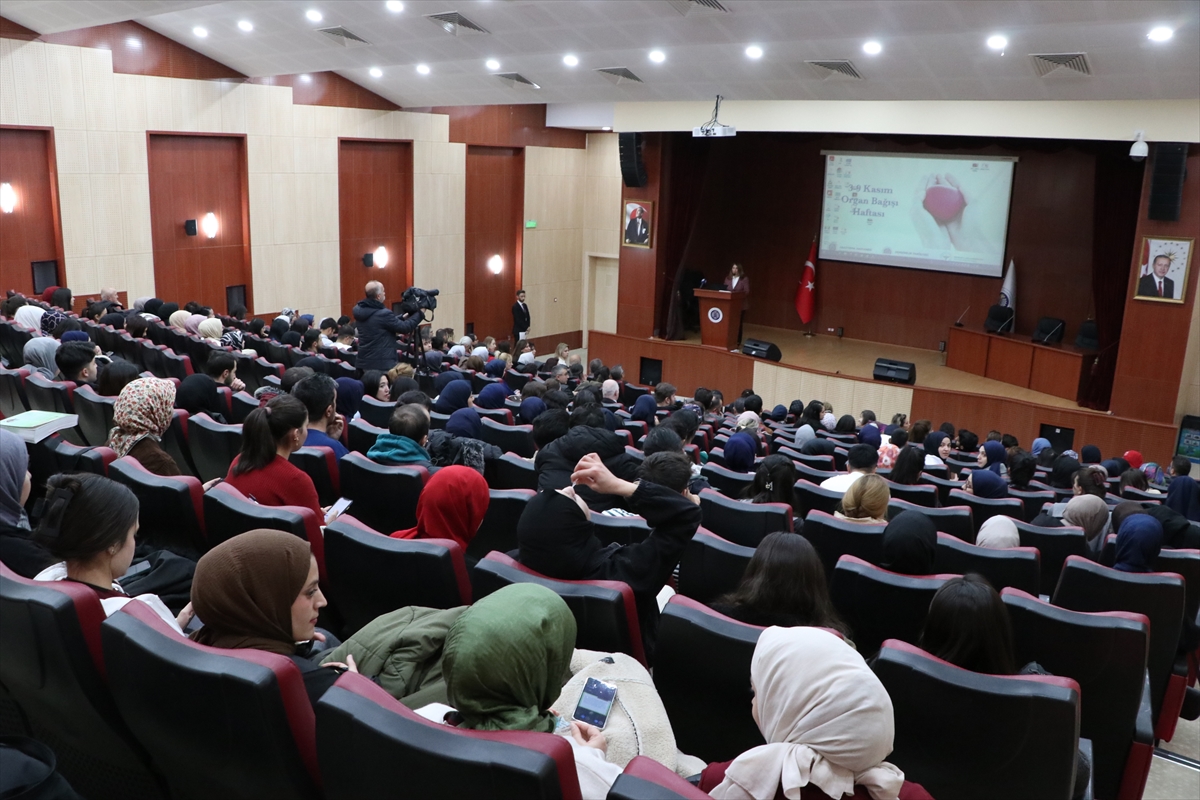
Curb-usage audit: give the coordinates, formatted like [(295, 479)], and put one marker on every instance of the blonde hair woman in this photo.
[(866, 501)]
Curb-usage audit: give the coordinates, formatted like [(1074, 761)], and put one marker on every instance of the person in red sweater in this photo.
[(262, 471)]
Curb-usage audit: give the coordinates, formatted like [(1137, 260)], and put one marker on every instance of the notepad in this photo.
[(33, 426)]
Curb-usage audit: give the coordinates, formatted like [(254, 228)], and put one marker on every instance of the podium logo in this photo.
[(715, 315)]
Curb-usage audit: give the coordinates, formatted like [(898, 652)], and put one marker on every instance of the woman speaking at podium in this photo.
[(737, 282)]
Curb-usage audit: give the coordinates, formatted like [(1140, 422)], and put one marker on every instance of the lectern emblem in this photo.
[(715, 315)]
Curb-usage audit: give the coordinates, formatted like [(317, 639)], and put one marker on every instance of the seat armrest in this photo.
[(1143, 729), (1085, 747)]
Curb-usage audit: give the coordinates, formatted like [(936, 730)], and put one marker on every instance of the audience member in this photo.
[(861, 460), (773, 481), (739, 452), (909, 544), (643, 410), (349, 397), (986, 484), (30, 316), (968, 626), (18, 551), (889, 451), (38, 354), (1138, 543), (76, 362), (459, 442), (377, 327), (967, 442), (492, 396), (1133, 458), (455, 396), (908, 467), (937, 449), (377, 386), (452, 506), (319, 395), (262, 471), (992, 457), (1062, 473), (198, 393), (1183, 493), (141, 416), (1021, 471), (919, 430), (404, 442), (115, 377), (998, 533), (549, 426), (866, 501)]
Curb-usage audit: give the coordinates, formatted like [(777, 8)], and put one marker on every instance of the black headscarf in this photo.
[(1063, 471), (402, 385), (292, 338), (165, 311), (279, 326), (557, 539), (445, 378), (1090, 454), (909, 544), (152, 306), (818, 447)]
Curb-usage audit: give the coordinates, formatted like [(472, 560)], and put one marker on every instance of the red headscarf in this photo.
[(452, 506), (48, 293), (1134, 458)]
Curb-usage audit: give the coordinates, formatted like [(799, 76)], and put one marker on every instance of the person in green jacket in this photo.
[(404, 443)]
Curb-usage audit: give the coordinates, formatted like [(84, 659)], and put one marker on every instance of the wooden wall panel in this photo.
[(508, 126), (328, 89), (639, 268), (686, 366), (375, 191), (1154, 335), (11, 30), (189, 177), (32, 232), (546, 345), (494, 224), (137, 50)]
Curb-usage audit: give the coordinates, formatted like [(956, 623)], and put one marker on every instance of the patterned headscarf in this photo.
[(143, 409), (51, 318)]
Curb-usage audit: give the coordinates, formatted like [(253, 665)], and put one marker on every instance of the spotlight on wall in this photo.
[(209, 225), (377, 259), (189, 227), (495, 264), (1139, 150), (8, 198)]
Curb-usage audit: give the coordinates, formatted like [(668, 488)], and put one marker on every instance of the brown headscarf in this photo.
[(244, 588)]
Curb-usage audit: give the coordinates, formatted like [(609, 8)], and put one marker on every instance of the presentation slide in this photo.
[(947, 213)]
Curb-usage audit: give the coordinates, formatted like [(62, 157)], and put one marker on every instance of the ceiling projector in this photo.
[(713, 127)]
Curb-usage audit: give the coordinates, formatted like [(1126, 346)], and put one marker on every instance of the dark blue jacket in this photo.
[(377, 329)]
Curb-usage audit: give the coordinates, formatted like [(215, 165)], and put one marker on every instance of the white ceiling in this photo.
[(932, 49)]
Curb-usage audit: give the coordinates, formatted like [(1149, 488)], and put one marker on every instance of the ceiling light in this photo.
[(306, 78), (381, 256), (872, 48), (495, 264), (1160, 34), (209, 225), (658, 56), (199, 32), (314, 15), (492, 63), (376, 72), (997, 42), (133, 43), (571, 61), (423, 69), (8, 198), (754, 51), (606, 128), (1139, 150), (394, 6), (246, 25)]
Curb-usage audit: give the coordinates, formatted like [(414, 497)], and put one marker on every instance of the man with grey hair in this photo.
[(377, 329), (611, 390)]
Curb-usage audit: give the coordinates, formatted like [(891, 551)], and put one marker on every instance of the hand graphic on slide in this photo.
[(933, 234), (944, 201)]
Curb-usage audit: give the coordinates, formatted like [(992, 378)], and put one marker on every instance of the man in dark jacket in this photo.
[(556, 461), (377, 329), (520, 314)]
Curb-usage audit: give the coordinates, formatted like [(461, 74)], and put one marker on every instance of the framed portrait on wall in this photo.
[(639, 223), (1164, 269)]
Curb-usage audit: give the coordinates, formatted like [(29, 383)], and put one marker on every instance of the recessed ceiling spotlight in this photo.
[(245, 25), (1160, 34), (606, 128), (376, 72), (997, 42), (199, 32), (394, 6), (658, 56), (872, 48), (314, 15), (754, 51), (306, 78), (492, 64), (423, 69), (571, 61)]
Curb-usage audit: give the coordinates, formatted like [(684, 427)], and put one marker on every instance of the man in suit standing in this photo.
[(1157, 284), (520, 312)]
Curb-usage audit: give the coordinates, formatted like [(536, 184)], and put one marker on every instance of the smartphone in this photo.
[(336, 510), (595, 703)]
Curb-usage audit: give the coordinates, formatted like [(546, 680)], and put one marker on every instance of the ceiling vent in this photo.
[(619, 75), (515, 80), (343, 37), (828, 69), (455, 24), (1045, 63), (686, 7)]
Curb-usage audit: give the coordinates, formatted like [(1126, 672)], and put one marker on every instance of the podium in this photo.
[(718, 312)]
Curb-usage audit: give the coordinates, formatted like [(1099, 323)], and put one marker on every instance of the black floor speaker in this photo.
[(760, 349), (895, 371)]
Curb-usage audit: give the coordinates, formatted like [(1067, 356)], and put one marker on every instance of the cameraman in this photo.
[(377, 329)]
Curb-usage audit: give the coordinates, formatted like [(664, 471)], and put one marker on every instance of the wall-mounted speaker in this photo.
[(760, 349), (189, 227), (633, 170), (1166, 183), (895, 371)]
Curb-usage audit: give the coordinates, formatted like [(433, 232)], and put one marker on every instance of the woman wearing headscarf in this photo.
[(51, 320), (444, 379), (139, 305), (1138, 543), (141, 416), (211, 329), (151, 309), (38, 354), (349, 395), (495, 368), (937, 449), (30, 316), (402, 385), (909, 543), (1039, 444), (986, 484), (61, 298), (192, 324), (870, 435), (168, 310), (992, 456), (231, 338), (1089, 512), (178, 320), (452, 506), (465, 422), (279, 327), (18, 551), (644, 410), (739, 452), (1133, 458), (531, 407), (1183, 493), (1062, 472), (492, 396), (433, 360), (1088, 454), (827, 720), (998, 533), (748, 422), (455, 396), (504, 661)]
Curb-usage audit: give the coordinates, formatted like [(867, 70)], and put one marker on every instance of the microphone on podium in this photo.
[(958, 322)]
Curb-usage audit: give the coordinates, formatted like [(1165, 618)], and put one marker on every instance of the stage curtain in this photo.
[(685, 168), (1118, 198)]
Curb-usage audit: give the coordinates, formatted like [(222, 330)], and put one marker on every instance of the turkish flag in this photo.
[(806, 291)]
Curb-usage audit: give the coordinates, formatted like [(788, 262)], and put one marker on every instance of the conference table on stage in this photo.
[(1056, 369)]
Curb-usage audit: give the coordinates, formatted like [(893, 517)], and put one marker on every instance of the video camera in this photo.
[(414, 299)]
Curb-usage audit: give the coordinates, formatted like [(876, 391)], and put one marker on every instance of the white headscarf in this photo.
[(480, 351), (998, 533), (827, 720), (30, 317), (828, 421), (458, 351), (466, 341), (527, 357), (748, 421)]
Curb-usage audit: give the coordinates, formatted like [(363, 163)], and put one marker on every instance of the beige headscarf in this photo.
[(1088, 512), (179, 320), (998, 533), (827, 720), (211, 328), (748, 421)]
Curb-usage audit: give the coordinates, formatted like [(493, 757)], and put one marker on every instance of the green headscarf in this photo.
[(505, 659)]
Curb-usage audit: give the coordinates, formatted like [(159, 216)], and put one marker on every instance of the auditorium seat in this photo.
[(228, 512), (55, 396), (984, 508), (500, 415), (515, 381), (498, 531), (630, 392), (95, 414), (12, 392), (213, 445), (376, 412), (509, 438), (636, 428), (1032, 500), (372, 574), (808, 497), (1138, 496), (805, 470), (1017, 567), (743, 523), (152, 358), (605, 611), (320, 464), (513, 472), (840, 458), (385, 497), (955, 520), (438, 421), (175, 442), (1054, 546), (711, 566), (833, 538), (52, 666), (216, 722), (918, 495), (645, 779), (823, 464), (361, 435), (878, 604), (240, 406), (619, 530), (175, 365), (371, 745), (69, 457), (171, 508), (1105, 653), (1026, 748), (1087, 586), (1186, 563)]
